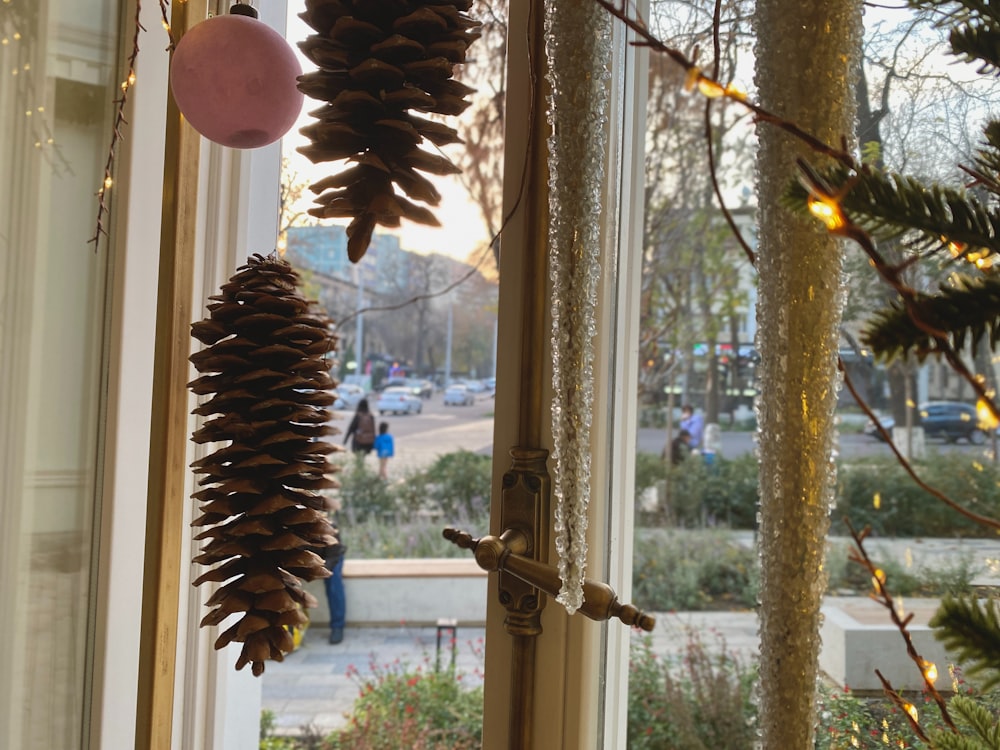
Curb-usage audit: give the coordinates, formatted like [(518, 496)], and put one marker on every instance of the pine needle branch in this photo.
[(975, 30), (965, 311), (987, 168), (825, 197), (970, 630), (941, 740), (977, 43), (979, 719), (889, 205)]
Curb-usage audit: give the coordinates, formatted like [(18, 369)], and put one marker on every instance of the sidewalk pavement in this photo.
[(420, 449)]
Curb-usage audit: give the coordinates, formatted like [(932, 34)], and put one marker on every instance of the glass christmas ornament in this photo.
[(234, 79)]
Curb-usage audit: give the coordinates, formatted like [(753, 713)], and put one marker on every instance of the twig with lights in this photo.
[(928, 671), (119, 121), (907, 466)]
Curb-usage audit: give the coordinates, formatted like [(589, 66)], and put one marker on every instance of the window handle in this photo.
[(506, 554)]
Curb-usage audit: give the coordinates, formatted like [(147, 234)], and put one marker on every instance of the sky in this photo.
[(462, 232)]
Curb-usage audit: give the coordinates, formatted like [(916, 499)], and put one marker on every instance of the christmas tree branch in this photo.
[(824, 200), (955, 311), (889, 205), (970, 629), (975, 32)]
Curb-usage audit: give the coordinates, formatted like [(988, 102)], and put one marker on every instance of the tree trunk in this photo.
[(801, 76)]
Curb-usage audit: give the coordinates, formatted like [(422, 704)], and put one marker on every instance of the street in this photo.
[(437, 430), (441, 429), (850, 444)]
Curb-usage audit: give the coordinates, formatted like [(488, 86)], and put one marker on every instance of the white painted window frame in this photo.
[(238, 216)]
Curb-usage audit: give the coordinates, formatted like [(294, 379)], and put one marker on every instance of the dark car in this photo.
[(420, 387), (950, 420)]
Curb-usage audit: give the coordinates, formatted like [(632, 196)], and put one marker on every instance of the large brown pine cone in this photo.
[(266, 362), (379, 59)]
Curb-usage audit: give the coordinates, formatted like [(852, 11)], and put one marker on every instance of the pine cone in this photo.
[(266, 365), (377, 60)]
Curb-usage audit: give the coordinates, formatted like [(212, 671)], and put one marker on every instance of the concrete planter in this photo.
[(415, 591), (859, 638)]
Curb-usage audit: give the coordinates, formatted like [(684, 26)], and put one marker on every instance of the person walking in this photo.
[(362, 430), (385, 448)]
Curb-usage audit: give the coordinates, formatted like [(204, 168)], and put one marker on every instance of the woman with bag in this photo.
[(362, 428)]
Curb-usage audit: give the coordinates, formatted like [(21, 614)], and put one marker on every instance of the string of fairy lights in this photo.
[(119, 121), (15, 62)]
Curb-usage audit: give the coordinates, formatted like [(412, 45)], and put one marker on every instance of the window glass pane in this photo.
[(56, 87), (417, 321)]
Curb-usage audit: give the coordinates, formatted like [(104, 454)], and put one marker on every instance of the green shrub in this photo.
[(692, 570), (724, 493), (880, 494), (402, 707), (456, 485), (374, 539), (649, 469), (701, 700), (267, 739), (363, 495), (953, 577), (461, 482)]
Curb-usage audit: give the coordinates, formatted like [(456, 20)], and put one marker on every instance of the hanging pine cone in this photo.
[(265, 364), (379, 59)]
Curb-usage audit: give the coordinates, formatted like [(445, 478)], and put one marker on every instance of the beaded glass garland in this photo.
[(578, 46), (805, 62)]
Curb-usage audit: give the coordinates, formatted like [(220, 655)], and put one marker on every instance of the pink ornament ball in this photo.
[(234, 79)]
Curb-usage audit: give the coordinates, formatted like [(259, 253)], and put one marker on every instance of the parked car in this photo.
[(398, 400), (391, 383), (348, 396), (950, 420), (476, 386), (458, 395), (420, 387)]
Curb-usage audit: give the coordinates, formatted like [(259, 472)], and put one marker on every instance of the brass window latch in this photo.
[(517, 553), (505, 554)]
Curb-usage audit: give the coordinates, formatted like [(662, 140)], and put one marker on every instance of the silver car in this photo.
[(458, 395), (348, 396), (398, 400)]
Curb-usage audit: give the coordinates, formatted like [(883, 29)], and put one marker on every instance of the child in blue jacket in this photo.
[(384, 449)]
